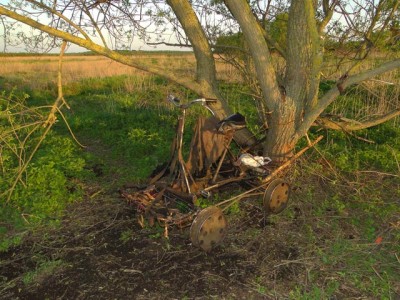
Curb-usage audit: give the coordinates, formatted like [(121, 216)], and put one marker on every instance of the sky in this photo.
[(137, 45)]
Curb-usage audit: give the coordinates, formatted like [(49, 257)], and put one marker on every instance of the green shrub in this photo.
[(45, 187)]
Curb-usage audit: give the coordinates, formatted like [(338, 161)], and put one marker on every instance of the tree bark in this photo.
[(205, 71), (300, 88), (265, 71), (259, 51)]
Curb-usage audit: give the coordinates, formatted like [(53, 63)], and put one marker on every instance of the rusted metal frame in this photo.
[(221, 183), (222, 159), (274, 173)]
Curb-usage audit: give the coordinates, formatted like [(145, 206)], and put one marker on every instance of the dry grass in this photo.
[(375, 97), (78, 67), (75, 67)]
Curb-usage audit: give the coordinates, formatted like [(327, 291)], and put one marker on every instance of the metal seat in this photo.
[(233, 122)]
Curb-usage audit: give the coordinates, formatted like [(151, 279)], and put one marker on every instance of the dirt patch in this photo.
[(102, 253)]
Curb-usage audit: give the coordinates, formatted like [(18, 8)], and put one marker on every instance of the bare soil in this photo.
[(99, 251), (102, 253)]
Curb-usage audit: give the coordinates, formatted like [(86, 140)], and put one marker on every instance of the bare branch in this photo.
[(61, 16), (331, 95), (328, 12), (130, 61), (86, 10), (169, 44), (352, 125), (254, 36)]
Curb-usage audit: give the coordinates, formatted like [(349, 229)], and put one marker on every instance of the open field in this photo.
[(78, 67), (339, 238)]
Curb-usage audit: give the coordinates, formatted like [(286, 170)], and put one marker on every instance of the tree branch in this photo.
[(333, 93), (184, 81), (54, 12), (202, 50), (206, 71), (352, 125), (260, 53), (169, 44), (274, 44), (304, 55), (87, 12), (328, 11)]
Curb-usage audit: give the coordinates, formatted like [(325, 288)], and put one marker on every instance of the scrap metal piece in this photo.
[(208, 228), (276, 196)]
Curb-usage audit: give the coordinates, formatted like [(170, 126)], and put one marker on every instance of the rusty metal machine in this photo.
[(172, 194)]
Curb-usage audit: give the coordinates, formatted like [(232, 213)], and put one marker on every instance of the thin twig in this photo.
[(376, 272), (22, 170), (47, 124), (296, 261), (69, 129)]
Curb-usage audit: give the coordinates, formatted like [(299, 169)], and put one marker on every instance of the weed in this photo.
[(260, 287), (157, 233), (126, 236), (45, 188), (8, 242), (234, 208), (43, 270), (315, 292)]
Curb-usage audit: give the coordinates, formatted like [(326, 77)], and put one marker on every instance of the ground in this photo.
[(321, 247), (339, 237), (102, 253), (99, 251)]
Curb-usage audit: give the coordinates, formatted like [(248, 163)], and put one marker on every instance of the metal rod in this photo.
[(221, 183), (274, 173), (221, 160)]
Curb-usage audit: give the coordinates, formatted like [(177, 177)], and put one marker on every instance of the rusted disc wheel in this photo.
[(276, 196), (208, 228)]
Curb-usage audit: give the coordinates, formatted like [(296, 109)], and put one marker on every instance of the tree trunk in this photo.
[(279, 144), (299, 92)]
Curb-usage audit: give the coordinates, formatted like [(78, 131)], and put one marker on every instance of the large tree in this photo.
[(290, 95)]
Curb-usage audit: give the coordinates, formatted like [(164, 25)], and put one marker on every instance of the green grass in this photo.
[(344, 206), (349, 226), (44, 269), (137, 127)]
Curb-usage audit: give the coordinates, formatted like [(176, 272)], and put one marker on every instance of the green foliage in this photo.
[(234, 208), (349, 212), (48, 189), (350, 154), (278, 29), (360, 267), (46, 186), (126, 236), (139, 127), (44, 269), (9, 242), (315, 292), (229, 44)]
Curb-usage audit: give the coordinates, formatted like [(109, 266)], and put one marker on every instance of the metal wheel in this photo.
[(276, 196), (208, 228)]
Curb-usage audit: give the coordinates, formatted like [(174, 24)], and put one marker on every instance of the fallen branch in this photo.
[(353, 125)]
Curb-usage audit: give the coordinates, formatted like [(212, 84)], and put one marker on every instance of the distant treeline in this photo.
[(91, 53)]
